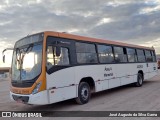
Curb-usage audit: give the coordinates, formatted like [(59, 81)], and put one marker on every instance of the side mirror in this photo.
[(3, 58), (4, 54), (58, 51)]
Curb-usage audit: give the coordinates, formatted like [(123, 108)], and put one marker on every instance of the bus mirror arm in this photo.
[(4, 52), (3, 58)]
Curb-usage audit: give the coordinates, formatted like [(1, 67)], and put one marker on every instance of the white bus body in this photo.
[(64, 83)]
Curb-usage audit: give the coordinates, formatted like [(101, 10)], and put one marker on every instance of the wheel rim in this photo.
[(84, 93)]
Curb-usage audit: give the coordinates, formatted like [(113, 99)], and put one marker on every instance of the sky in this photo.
[(129, 21)]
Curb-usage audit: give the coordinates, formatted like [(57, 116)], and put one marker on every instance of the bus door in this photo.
[(60, 77)]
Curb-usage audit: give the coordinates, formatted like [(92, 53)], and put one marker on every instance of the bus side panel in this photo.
[(93, 71), (149, 70), (126, 80), (152, 70), (114, 83), (60, 94), (61, 85), (105, 84), (113, 80), (135, 78), (99, 85), (125, 72), (141, 67), (101, 74)]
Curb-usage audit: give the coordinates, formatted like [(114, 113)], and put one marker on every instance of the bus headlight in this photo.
[(35, 90)]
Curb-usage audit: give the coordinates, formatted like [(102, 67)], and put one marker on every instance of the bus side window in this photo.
[(141, 56), (105, 54), (131, 53), (153, 56), (50, 58), (148, 56), (120, 54), (63, 59), (86, 53)]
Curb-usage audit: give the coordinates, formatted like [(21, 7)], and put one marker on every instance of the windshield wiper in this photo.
[(30, 46), (19, 60)]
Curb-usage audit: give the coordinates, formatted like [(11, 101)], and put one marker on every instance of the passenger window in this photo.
[(105, 54), (63, 59), (131, 53), (52, 59), (120, 54), (141, 56), (148, 56), (86, 53), (153, 56)]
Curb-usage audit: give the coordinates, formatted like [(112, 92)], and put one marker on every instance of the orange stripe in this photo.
[(82, 38)]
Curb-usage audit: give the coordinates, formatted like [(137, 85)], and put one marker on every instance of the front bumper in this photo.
[(41, 98)]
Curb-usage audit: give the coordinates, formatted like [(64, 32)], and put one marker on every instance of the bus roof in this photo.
[(82, 38)]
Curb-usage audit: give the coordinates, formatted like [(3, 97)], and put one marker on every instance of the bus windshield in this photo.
[(26, 63)]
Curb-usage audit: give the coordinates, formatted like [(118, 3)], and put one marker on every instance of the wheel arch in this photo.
[(90, 82)]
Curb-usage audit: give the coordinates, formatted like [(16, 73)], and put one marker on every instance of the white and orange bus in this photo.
[(50, 67)]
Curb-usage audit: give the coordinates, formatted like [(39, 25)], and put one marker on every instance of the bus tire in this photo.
[(139, 82), (84, 93)]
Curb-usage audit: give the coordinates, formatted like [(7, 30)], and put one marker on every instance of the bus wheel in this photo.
[(139, 82), (83, 93)]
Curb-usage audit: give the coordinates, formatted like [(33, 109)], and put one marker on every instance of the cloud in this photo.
[(154, 6), (129, 21)]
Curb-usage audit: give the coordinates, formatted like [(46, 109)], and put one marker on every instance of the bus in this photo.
[(50, 67)]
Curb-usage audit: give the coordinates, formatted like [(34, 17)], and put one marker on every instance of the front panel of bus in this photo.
[(28, 71)]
